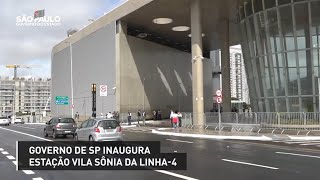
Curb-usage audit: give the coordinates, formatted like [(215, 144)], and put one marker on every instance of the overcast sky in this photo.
[(32, 45)]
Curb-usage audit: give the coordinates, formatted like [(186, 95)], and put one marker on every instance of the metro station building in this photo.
[(155, 54)]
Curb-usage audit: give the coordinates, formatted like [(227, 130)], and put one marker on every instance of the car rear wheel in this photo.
[(54, 135), (75, 137), (45, 133)]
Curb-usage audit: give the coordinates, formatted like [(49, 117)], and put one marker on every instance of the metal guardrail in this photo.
[(258, 120)]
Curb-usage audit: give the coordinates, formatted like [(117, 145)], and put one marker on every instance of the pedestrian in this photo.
[(129, 118), (154, 115), (159, 114), (180, 118), (139, 116), (171, 116), (144, 117), (175, 119), (109, 115)]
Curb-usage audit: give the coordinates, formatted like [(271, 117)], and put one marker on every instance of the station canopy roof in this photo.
[(140, 16)]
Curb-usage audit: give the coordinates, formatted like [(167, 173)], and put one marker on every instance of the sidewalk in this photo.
[(209, 134)]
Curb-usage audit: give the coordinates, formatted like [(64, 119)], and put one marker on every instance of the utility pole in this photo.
[(94, 93)]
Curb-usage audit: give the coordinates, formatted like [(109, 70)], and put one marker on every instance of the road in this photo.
[(206, 159)]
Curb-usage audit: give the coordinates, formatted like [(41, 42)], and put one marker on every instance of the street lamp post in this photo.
[(71, 77)]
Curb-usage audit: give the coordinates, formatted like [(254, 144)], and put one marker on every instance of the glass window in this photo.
[(287, 27), (258, 5), (108, 124), (84, 124), (315, 18), (307, 104), (316, 62), (272, 25), (306, 69), (91, 123), (294, 104), (248, 7), (66, 120), (261, 31), (282, 106), (302, 25), (282, 2), (270, 4), (271, 105)]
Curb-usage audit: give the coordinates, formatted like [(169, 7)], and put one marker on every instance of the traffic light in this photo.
[(93, 87)]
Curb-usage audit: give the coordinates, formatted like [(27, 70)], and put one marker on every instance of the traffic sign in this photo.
[(62, 100), (103, 90), (218, 92), (219, 100)]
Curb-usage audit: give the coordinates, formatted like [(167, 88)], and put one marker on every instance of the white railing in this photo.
[(260, 120)]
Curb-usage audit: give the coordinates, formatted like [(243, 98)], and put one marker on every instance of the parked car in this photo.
[(4, 121), (18, 121), (99, 129), (60, 126)]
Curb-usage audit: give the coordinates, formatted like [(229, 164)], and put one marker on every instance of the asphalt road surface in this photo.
[(206, 159)]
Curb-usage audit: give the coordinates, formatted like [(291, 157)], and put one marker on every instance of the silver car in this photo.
[(99, 130)]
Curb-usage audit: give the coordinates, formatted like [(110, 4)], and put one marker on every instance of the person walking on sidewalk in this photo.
[(144, 117), (139, 116), (180, 117), (129, 118), (159, 115), (175, 119), (171, 114), (154, 115)]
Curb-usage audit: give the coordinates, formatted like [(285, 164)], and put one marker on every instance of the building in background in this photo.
[(238, 79), (24, 96)]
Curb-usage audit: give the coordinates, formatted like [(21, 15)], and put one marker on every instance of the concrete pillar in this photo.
[(197, 64), (225, 69)]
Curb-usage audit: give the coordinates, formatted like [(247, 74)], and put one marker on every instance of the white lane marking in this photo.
[(179, 141), (25, 134), (175, 175), (28, 171), (38, 178), (24, 127), (250, 164), (302, 155), (1, 149), (298, 142), (309, 144), (4, 152), (10, 157), (14, 162)]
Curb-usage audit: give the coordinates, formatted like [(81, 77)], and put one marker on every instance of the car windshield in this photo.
[(108, 124), (66, 120)]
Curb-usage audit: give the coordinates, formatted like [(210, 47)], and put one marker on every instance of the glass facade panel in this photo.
[(270, 3), (273, 30), (287, 27), (285, 65), (302, 25), (248, 7), (294, 104), (307, 104), (282, 105), (282, 2)]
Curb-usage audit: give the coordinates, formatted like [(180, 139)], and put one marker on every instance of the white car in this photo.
[(4, 121), (18, 121)]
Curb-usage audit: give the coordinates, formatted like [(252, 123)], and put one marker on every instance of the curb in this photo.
[(36, 123), (253, 138)]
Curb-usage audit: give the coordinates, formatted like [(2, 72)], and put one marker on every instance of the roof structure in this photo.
[(140, 14)]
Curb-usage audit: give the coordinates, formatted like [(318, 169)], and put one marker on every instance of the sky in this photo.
[(32, 45)]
